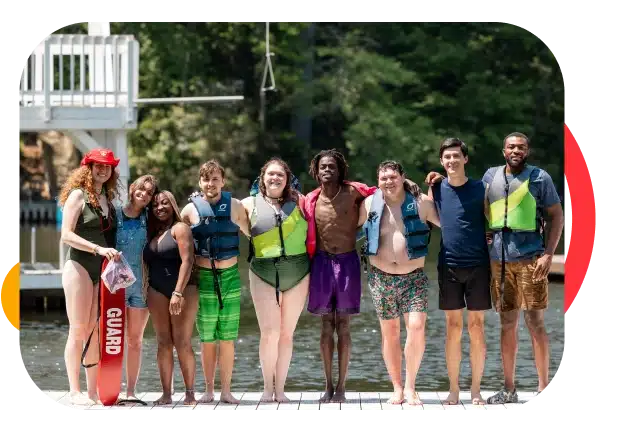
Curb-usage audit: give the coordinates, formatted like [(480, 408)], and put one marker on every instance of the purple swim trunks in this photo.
[(335, 283)]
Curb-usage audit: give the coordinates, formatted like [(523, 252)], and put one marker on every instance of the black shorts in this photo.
[(461, 287)]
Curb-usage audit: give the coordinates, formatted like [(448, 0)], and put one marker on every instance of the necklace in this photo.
[(331, 199), (273, 200)]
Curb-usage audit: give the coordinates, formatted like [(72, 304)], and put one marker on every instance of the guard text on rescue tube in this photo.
[(114, 325)]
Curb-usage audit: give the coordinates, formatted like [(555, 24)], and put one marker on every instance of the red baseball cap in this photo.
[(100, 155)]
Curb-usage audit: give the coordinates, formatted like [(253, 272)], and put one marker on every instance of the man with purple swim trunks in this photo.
[(335, 275), (332, 213)]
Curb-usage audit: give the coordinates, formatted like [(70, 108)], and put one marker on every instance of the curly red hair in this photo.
[(82, 178)]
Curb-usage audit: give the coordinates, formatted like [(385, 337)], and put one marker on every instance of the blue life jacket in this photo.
[(417, 232), (216, 236)]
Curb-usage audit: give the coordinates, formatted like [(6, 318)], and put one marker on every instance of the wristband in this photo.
[(177, 293)]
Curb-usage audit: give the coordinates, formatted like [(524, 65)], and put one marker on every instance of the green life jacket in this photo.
[(277, 234), (512, 205)]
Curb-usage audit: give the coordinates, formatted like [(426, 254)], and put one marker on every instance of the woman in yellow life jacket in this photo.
[(279, 270)]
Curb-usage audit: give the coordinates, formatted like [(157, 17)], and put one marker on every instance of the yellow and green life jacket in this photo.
[(511, 204), (277, 234)]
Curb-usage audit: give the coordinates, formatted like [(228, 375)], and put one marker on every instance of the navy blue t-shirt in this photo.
[(524, 245), (463, 223)]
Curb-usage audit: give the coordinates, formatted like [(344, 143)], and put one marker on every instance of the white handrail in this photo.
[(189, 99), (105, 75)]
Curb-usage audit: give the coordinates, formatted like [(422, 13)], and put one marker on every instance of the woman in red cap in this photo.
[(89, 228)]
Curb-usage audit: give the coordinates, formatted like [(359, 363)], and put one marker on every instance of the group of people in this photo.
[(496, 249)]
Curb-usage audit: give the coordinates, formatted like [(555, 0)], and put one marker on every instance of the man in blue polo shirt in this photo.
[(463, 264), (519, 196)]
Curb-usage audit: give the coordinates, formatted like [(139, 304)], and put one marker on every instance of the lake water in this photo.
[(43, 337)]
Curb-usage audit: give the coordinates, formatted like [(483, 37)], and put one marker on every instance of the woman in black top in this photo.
[(172, 300)]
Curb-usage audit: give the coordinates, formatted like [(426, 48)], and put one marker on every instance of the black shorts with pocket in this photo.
[(461, 287)]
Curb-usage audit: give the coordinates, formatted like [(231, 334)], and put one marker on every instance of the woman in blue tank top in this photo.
[(172, 297), (130, 241)]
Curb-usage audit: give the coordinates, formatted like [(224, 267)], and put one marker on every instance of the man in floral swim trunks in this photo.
[(397, 234)]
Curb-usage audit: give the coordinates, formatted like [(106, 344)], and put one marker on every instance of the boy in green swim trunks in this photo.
[(215, 218)]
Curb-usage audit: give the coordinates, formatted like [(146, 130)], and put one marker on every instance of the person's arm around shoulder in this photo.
[(71, 212), (240, 216), (364, 210), (186, 214), (183, 236), (301, 203), (428, 212), (429, 193)]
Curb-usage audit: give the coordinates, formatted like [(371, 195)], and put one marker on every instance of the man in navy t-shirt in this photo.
[(463, 265)]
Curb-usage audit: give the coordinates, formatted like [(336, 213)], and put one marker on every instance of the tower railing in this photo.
[(82, 71)]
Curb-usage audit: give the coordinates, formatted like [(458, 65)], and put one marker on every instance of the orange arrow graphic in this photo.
[(9, 296)]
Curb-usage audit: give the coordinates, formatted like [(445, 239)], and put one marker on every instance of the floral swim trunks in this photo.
[(394, 295)]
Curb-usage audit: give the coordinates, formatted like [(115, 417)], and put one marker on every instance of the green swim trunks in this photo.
[(213, 323)]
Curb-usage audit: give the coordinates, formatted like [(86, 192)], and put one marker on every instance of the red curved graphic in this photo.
[(583, 216)]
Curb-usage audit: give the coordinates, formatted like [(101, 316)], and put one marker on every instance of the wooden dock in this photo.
[(306, 401)]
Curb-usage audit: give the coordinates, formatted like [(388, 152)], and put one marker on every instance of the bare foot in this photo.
[(412, 397), (267, 396), (189, 398), (338, 397), (281, 397), (453, 398), (397, 397), (477, 399), (207, 397), (163, 400), (228, 398), (77, 398), (327, 397)]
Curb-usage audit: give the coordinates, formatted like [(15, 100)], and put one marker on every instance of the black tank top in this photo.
[(163, 264)]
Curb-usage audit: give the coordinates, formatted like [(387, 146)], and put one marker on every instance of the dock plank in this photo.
[(370, 401), (294, 397), (210, 405), (430, 401), (443, 395), (309, 400), (353, 401), (385, 405), (225, 406), (249, 401)]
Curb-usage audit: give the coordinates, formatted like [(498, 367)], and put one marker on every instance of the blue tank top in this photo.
[(463, 223)]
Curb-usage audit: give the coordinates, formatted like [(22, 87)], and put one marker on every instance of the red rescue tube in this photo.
[(112, 334)]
